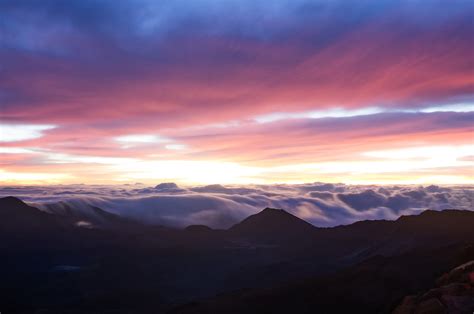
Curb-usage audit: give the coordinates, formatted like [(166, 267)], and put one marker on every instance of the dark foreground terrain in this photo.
[(271, 262)]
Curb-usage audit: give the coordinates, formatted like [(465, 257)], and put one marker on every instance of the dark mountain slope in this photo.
[(363, 239), (51, 263), (454, 293), (20, 221), (273, 226), (373, 286)]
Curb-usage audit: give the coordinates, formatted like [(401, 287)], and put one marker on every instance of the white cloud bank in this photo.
[(221, 206)]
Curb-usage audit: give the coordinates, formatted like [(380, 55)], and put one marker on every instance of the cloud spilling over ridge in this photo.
[(220, 206)]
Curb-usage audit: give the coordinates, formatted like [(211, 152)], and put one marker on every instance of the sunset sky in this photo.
[(237, 91)]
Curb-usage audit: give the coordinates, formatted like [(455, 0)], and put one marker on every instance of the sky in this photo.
[(236, 92)]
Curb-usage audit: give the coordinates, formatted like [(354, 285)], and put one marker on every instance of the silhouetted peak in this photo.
[(166, 186), (13, 207), (270, 210), (198, 228), (19, 216), (271, 221), (280, 215), (11, 202), (272, 214)]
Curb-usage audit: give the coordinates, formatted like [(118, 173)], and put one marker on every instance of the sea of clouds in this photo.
[(220, 206)]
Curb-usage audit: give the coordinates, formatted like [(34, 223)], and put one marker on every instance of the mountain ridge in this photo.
[(161, 267), (280, 218)]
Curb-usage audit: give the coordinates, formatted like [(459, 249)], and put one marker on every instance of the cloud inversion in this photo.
[(222, 206)]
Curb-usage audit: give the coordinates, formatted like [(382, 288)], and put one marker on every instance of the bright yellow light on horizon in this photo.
[(195, 172), (421, 165), (33, 178)]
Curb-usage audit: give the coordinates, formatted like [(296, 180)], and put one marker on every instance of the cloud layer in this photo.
[(218, 206)]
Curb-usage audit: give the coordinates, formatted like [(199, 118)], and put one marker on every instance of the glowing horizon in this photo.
[(282, 92)]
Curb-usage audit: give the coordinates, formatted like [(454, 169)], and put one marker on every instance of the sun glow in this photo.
[(404, 165), (8, 177), (200, 172)]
